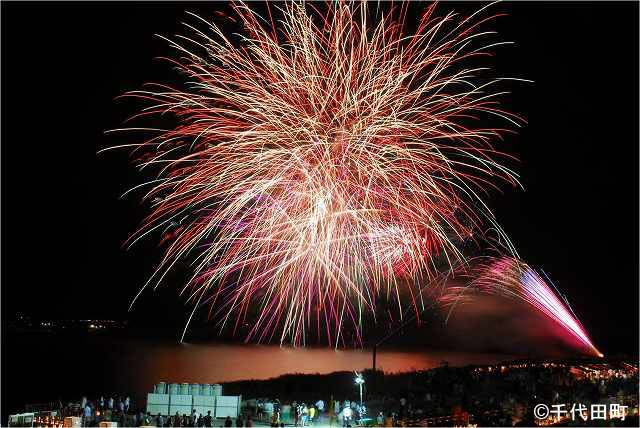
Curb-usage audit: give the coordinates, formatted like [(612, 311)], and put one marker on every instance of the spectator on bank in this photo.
[(249, 423), (185, 420), (127, 404), (260, 410), (159, 420), (207, 419), (228, 422), (239, 421), (86, 414), (347, 414), (110, 403), (120, 405)]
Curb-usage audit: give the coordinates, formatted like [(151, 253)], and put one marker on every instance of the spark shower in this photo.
[(325, 157)]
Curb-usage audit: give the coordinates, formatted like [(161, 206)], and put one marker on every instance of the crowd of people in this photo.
[(121, 410), (498, 396), (300, 414), (488, 396), (116, 409), (195, 419)]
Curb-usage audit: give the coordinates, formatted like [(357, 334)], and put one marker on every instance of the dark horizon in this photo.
[(64, 223)]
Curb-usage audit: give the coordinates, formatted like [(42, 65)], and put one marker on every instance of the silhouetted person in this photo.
[(207, 419), (239, 421), (228, 422), (86, 415)]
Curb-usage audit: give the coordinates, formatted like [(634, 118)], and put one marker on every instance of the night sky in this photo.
[(63, 223)]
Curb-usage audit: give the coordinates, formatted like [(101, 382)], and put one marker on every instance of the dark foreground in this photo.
[(575, 393)]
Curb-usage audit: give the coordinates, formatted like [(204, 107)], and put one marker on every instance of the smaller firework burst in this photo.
[(512, 278)]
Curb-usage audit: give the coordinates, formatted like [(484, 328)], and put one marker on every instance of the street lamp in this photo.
[(360, 382)]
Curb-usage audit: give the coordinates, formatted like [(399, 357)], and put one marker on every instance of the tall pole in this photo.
[(375, 375), (392, 333), (360, 395)]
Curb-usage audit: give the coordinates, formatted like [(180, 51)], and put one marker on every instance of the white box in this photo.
[(228, 405), (204, 409), (182, 410), (181, 400), (204, 400), (154, 409), (158, 398), (227, 401), (224, 411), (108, 424)]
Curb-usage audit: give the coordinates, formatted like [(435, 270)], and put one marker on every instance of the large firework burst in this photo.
[(323, 161)]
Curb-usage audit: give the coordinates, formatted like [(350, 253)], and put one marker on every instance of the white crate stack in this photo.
[(204, 404), (169, 399), (158, 403), (227, 405), (182, 404)]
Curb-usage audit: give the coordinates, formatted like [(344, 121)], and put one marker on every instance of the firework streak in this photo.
[(515, 279), (323, 163)]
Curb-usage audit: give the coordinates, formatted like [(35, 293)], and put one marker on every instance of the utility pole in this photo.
[(408, 320)]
